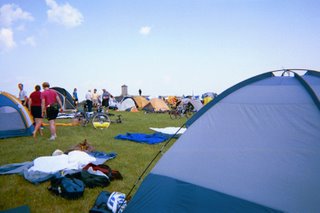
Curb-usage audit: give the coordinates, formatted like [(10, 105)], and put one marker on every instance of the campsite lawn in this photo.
[(132, 158)]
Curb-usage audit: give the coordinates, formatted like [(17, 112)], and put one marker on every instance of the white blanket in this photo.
[(169, 130), (52, 164)]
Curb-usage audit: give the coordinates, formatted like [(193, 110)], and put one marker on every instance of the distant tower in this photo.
[(124, 90)]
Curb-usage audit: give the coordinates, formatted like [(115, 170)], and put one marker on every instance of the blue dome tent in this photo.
[(15, 119), (254, 148)]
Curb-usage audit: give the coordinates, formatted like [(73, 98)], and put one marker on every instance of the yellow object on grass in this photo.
[(62, 124), (101, 125)]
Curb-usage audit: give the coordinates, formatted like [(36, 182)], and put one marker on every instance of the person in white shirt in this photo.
[(23, 97), (89, 100)]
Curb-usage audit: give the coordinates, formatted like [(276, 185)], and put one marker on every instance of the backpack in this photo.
[(69, 188), (100, 205), (108, 202), (91, 180)]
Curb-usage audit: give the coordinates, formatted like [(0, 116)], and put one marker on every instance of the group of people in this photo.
[(94, 99), (42, 104)]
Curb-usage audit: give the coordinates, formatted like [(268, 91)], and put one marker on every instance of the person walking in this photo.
[(50, 103), (34, 103), (23, 97), (140, 92)]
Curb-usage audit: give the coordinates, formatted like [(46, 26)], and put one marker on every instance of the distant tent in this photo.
[(133, 109), (207, 100), (196, 104), (156, 105), (209, 94), (113, 104), (172, 100), (140, 101), (66, 98), (254, 148), (126, 104), (15, 119)]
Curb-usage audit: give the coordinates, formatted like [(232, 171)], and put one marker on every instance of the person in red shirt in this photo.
[(35, 109), (50, 103)]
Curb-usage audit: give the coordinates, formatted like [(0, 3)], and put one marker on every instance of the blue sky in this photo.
[(168, 47)]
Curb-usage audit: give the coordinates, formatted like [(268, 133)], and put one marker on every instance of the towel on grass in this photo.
[(74, 160), (143, 138), (169, 130)]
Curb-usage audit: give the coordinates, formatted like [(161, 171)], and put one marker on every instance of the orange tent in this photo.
[(140, 101), (156, 105)]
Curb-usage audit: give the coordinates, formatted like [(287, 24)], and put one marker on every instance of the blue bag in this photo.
[(69, 188), (101, 206)]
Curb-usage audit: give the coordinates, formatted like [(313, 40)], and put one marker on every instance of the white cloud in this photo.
[(6, 39), (9, 13), (146, 30), (29, 41), (65, 15)]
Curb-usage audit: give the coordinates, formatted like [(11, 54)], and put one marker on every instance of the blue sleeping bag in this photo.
[(154, 138)]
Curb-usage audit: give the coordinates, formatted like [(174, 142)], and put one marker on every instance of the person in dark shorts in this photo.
[(89, 101), (50, 103), (34, 103), (105, 99)]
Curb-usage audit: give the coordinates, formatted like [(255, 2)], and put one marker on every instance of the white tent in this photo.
[(126, 104)]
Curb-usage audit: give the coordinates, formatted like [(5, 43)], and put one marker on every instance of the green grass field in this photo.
[(132, 158)]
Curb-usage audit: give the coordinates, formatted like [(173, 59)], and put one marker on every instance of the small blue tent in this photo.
[(15, 119), (254, 148)]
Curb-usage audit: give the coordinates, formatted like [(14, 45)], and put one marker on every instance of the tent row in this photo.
[(21, 122), (141, 103), (154, 105), (130, 102)]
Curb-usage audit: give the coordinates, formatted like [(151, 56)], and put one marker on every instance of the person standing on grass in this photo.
[(105, 99), (35, 109), (23, 97), (89, 100), (50, 103), (95, 99), (75, 97)]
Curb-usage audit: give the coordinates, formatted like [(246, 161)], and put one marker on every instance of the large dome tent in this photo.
[(254, 148)]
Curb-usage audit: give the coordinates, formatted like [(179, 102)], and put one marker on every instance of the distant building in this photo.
[(124, 90), (124, 93)]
